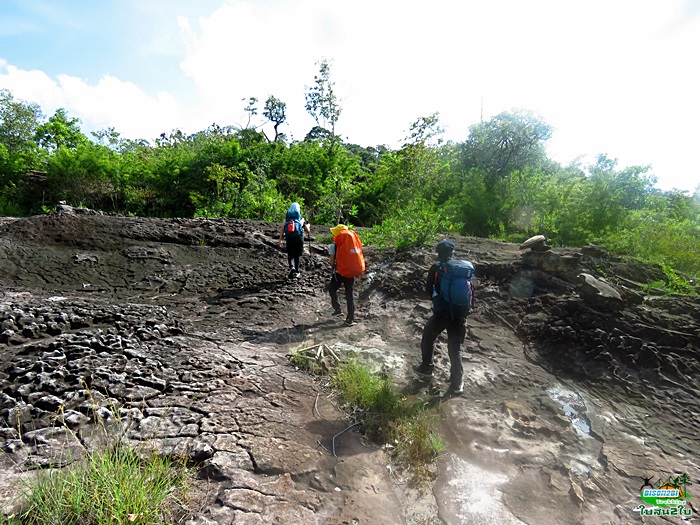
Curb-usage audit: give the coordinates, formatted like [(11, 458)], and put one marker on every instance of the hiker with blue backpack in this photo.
[(293, 230), (449, 284)]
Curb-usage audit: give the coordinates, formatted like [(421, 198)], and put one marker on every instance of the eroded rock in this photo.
[(575, 387)]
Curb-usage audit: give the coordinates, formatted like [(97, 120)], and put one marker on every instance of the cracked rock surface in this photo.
[(175, 333)]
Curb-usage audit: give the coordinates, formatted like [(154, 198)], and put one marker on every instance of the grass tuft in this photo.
[(114, 486), (386, 415)]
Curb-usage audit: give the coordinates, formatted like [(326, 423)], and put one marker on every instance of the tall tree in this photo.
[(510, 145), (18, 122), (322, 103), (425, 129), (252, 110), (59, 131), (613, 194), (406, 187), (506, 143), (275, 112)]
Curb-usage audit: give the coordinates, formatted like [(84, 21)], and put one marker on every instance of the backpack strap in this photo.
[(442, 267)]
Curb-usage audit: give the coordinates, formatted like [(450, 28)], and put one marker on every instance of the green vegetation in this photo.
[(109, 487), (497, 183), (110, 484), (385, 415), (673, 284)]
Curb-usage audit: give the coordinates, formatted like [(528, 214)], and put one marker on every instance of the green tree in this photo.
[(610, 194), (510, 144), (675, 204), (135, 177), (425, 129), (222, 198), (533, 201), (473, 205), (507, 143), (303, 172), (652, 237), (18, 123), (260, 199), (9, 180), (59, 131), (276, 112), (84, 176), (413, 171), (336, 203), (171, 178), (108, 137), (322, 103), (410, 184), (252, 110), (19, 154)]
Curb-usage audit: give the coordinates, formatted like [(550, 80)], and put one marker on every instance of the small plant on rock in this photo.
[(676, 283), (385, 415), (112, 486)]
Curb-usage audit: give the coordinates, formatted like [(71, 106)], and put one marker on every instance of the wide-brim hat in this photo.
[(335, 230)]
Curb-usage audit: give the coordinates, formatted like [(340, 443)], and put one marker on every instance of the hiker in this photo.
[(448, 313), (292, 232), (347, 262)]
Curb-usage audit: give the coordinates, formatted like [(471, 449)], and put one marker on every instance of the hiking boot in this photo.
[(457, 389), (337, 312), (423, 370), (350, 322), (291, 273)]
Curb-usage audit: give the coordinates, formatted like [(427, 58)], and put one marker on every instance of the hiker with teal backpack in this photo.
[(293, 230), (449, 284)]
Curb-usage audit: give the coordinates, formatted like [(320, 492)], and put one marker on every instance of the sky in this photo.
[(614, 77)]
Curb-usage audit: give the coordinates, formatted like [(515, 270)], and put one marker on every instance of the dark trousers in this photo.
[(456, 331), (336, 281), (295, 248)]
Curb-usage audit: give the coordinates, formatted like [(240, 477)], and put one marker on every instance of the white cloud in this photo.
[(610, 77), (122, 105), (110, 103), (34, 86)]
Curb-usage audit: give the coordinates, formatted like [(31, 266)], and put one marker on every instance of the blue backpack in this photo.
[(456, 286), (293, 226)]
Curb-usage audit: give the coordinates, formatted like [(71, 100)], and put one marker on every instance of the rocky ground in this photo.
[(174, 334)]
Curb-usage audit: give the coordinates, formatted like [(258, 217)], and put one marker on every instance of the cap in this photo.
[(337, 229), (445, 247)]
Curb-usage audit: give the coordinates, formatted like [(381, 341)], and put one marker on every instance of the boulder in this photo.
[(538, 243), (599, 293)]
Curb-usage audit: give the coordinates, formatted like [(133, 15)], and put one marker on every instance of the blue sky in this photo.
[(619, 77)]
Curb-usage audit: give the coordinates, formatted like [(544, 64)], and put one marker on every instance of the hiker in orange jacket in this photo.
[(347, 262)]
